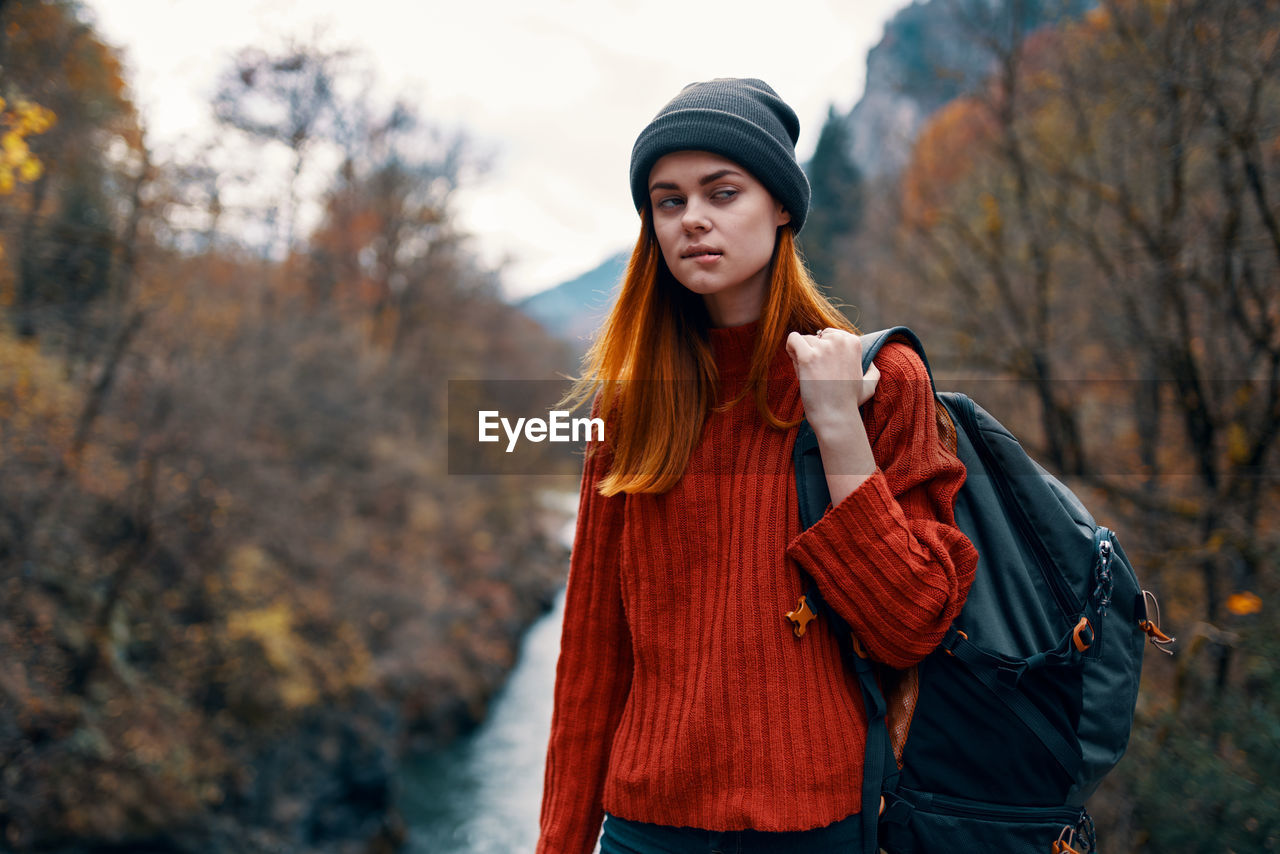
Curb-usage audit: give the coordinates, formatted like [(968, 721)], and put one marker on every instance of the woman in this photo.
[(688, 715)]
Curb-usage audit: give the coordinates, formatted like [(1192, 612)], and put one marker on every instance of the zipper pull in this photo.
[(1062, 845), (1151, 628)]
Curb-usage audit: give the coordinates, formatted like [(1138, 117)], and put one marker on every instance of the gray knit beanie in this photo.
[(742, 119)]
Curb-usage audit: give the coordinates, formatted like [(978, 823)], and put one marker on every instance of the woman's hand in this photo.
[(829, 367), (832, 387)]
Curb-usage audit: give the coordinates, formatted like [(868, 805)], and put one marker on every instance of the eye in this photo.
[(724, 195), (668, 203)]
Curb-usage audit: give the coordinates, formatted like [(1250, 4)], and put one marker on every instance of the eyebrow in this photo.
[(702, 182)]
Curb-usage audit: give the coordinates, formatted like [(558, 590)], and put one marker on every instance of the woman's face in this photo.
[(716, 225)]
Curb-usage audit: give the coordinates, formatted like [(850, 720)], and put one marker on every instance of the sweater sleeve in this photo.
[(889, 558), (593, 676)]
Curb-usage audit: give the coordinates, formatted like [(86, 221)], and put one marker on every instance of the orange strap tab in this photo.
[(801, 617), (1082, 636), (1153, 632)]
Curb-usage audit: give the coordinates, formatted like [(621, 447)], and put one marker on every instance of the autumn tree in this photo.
[(1099, 223), (288, 98), (836, 205), (236, 575), (387, 231), (1103, 168), (62, 229)]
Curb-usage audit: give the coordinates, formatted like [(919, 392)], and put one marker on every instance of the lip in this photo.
[(701, 252)]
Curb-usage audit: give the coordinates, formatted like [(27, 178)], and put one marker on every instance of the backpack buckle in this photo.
[(1011, 674), (950, 640)]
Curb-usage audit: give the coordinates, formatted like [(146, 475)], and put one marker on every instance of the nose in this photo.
[(695, 216)]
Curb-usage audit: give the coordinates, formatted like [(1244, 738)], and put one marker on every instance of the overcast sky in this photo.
[(556, 90)]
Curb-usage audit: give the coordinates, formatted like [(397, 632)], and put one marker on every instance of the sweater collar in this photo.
[(733, 347)]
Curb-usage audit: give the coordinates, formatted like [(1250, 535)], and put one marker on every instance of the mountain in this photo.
[(573, 310), (932, 52)]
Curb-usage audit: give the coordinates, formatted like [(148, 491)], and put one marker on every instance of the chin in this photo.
[(705, 284), (704, 290)]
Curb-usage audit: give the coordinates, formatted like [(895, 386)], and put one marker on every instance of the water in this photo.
[(482, 795)]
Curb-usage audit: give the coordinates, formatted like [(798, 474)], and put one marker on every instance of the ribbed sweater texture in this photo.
[(682, 696)]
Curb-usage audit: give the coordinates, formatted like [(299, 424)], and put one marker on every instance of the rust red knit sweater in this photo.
[(682, 696)]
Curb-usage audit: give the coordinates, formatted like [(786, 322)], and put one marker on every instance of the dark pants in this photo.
[(633, 837)]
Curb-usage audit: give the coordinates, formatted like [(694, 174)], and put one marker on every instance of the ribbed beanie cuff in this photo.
[(741, 119)]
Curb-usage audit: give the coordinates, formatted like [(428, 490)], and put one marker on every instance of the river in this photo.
[(482, 795)]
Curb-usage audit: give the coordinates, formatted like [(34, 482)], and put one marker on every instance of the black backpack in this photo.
[(994, 742)]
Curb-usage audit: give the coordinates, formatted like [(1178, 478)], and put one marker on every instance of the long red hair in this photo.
[(651, 370)]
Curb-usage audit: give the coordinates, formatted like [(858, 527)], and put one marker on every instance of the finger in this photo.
[(844, 337), (799, 345), (841, 338)]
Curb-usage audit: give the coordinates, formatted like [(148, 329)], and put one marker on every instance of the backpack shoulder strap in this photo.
[(880, 768), (873, 342), (811, 480)]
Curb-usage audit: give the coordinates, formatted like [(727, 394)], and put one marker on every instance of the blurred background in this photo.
[(244, 247)]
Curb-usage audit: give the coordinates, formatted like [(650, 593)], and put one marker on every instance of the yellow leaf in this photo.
[(35, 118), (991, 210), (31, 169), (273, 628), (15, 146), (1243, 604), (1238, 445)]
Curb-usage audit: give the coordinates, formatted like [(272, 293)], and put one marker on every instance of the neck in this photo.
[(725, 317), (738, 305)]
